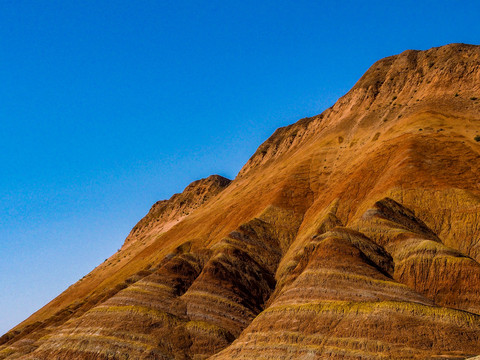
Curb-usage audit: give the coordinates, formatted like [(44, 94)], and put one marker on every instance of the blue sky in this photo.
[(109, 106)]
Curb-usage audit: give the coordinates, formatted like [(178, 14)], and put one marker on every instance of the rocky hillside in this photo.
[(354, 234), (164, 214)]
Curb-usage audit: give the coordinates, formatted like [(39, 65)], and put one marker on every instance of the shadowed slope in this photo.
[(341, 306), (443, 274)]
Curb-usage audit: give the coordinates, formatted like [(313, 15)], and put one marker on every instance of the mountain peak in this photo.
[(441, 79), (432, 70), (165, 214)]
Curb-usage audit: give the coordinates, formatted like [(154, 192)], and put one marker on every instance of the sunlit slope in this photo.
[(352, 234)]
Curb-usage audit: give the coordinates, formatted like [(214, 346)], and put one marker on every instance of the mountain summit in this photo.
[(354, 234)]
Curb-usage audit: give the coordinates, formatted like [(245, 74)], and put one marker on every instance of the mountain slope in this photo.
[(352, 234)]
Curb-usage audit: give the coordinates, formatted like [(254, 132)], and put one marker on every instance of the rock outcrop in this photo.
[(165, 214)]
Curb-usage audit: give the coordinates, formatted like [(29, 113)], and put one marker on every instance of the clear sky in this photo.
[(109, 106)]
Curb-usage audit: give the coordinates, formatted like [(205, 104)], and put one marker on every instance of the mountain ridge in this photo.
[(346, 235)]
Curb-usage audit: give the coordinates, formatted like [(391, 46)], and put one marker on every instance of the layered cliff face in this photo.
[(354, 234)]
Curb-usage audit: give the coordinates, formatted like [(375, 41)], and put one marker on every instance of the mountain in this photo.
[(354, 234)]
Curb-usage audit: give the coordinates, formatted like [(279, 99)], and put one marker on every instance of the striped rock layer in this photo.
[(354, 234)]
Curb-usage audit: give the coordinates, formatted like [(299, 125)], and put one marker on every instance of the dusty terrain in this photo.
[(354, 234)]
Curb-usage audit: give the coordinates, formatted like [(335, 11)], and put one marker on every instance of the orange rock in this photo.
[(352, 234)]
